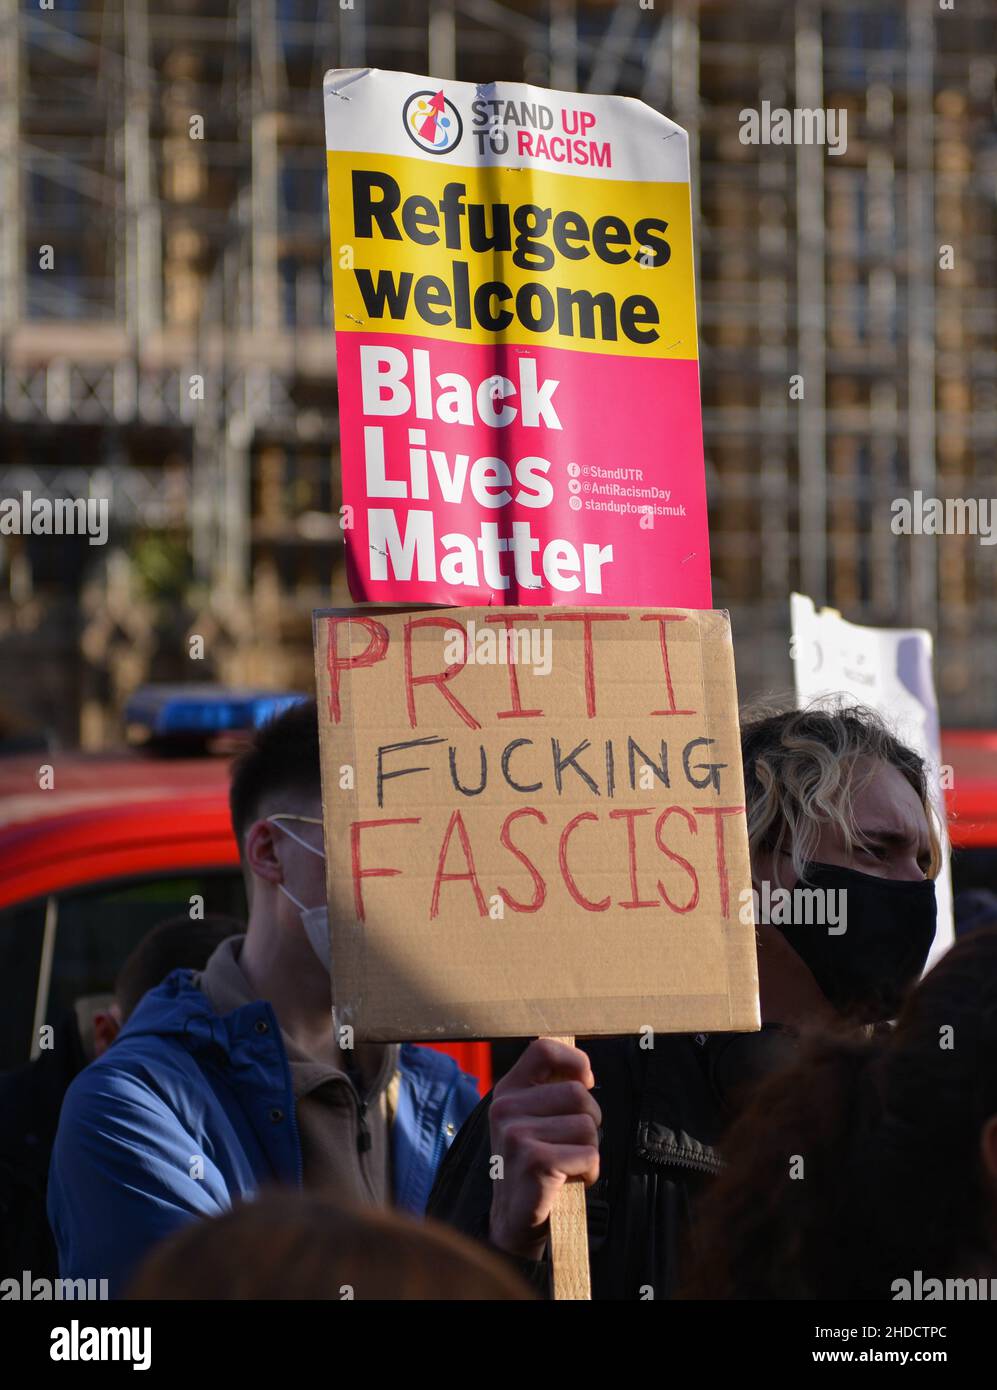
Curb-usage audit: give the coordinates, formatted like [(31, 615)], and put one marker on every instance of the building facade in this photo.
[(165, 316)]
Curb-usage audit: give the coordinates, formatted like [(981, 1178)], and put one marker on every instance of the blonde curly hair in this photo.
[(804, 767)]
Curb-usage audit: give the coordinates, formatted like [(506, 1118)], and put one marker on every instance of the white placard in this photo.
[(890, 670)]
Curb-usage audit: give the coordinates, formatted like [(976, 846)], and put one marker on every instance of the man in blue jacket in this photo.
[(234, 1078)]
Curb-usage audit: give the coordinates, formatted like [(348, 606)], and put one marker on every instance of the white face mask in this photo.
[(315, 920)]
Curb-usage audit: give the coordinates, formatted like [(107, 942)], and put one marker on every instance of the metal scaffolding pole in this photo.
[(775, 319), (811, 312), (615, 49), (442, 39), (685, 109), (234, 570), (563, 45), (922, 249), (12, 219), (265, 169), (656, 86), (352, 35), (144, 249)]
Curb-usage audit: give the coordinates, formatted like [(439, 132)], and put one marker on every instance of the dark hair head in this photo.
[(178, 943), (282, 757), (289, 1245), (862, 1163)]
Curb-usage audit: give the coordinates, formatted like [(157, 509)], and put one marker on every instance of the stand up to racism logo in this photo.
[(432, 122)]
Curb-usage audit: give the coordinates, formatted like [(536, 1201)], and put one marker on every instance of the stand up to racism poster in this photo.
[(516, 340)]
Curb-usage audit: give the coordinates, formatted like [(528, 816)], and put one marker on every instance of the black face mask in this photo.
[(867, 970)]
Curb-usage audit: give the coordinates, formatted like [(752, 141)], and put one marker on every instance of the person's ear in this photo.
[(261, 853), (106, 1027)]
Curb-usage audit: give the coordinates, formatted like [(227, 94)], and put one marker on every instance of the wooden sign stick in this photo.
[(569, 1240)]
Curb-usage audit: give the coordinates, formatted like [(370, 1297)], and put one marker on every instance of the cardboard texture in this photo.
[(516, 853)]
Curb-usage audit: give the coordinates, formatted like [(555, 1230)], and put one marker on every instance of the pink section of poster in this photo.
[(520, 475)]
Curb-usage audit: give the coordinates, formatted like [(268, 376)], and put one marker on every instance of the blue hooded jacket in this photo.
[(190, 1111)]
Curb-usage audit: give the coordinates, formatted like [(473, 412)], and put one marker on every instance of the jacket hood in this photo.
[(176, 1008)]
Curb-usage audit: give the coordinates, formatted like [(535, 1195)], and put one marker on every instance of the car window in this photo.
[(974, 875), (21, 932), (974, 867), (97, 929)]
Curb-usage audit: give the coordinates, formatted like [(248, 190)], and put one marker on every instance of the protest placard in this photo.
[(534, 823), (516, 345), (890, 670)]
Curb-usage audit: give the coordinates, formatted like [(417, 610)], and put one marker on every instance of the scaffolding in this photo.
[(165, 313)]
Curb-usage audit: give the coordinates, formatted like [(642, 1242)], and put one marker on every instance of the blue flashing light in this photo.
[(187, 710)]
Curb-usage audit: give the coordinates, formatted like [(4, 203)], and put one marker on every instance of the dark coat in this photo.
[(30, 1102), (664, 1111)]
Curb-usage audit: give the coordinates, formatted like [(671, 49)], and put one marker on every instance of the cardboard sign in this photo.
[(890, 670), (516, 344), (534, 823)]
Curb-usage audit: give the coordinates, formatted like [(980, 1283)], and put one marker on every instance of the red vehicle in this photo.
[(971, 756), (115, 844)]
